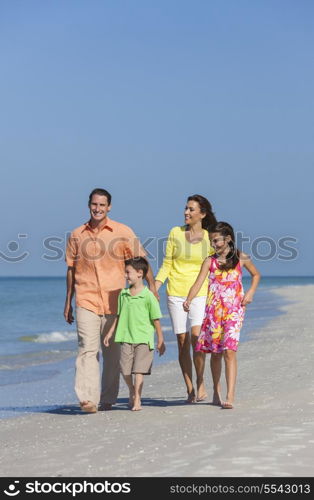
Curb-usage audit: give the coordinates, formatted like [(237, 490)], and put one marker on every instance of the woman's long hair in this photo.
[(209, 220), (233, 257)]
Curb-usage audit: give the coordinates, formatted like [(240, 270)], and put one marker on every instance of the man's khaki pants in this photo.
[(91, 329)]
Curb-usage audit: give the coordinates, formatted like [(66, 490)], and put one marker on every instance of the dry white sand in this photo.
[(269, 433)]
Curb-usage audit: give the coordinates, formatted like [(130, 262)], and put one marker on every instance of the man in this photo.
[(95, 257)]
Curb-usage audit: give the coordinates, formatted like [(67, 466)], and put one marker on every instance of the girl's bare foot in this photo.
[(226, 405), (201, 392)]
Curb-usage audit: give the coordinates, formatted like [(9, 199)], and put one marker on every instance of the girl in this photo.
[(225, 307)]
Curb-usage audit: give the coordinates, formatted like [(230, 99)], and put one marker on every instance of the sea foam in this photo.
[(45, 338)]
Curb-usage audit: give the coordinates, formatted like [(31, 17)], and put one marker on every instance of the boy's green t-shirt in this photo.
[(136, 314)]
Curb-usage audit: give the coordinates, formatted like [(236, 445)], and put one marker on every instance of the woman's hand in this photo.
[(186, 305)]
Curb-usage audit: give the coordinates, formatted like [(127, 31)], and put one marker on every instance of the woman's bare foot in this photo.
[(191, 397), (216, 399), (201, 397)]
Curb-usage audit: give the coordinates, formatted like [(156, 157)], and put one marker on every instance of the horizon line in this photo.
[(263, 276)]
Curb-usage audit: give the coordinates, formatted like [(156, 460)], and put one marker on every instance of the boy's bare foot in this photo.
[(131, 400), (136, 408), (136, 405)]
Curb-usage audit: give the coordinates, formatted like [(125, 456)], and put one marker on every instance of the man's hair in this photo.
[(101, 192), (138, 263)]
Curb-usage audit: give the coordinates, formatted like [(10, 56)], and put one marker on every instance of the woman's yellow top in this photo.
[(183, 261)]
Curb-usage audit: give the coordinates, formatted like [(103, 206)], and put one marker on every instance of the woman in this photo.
[(187, 247)]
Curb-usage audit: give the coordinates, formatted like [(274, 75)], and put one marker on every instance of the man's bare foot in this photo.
[(88, 407)]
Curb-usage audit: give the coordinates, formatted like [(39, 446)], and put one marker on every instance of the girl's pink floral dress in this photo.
[(223, 312)]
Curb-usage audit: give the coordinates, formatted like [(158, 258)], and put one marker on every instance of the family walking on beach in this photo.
[(102, 254)]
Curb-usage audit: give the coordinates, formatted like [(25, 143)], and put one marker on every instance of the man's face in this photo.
[(99, 208)]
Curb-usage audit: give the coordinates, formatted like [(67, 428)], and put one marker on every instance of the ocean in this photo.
[(38, 348)]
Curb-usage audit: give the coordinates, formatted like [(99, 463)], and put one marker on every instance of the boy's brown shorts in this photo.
[(136, 358)]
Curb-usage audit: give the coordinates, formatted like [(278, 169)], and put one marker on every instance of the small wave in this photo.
[(15, 362), (45, 338)]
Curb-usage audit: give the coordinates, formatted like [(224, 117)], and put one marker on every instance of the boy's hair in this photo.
[(139, 264), (233, 256), (101, 192)]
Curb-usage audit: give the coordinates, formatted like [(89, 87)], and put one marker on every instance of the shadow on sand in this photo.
[(74, 409)]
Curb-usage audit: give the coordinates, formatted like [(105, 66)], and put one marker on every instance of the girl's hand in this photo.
[(161, 348), (247, 299), (186, 305)]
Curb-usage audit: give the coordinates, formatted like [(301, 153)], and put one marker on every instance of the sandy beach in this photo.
[(270, 432)]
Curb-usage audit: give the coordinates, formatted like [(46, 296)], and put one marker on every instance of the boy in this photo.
[(138, 318)]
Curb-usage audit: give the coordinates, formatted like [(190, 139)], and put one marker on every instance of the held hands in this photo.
[(161, 348), (153, 288), (248, 298), (186, 305), (157, 284), (156, 294)]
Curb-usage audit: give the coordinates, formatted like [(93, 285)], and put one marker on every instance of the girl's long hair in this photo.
[(209, 220), (233, 256)]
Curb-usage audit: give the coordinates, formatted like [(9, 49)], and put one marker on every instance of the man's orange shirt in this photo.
[(98, 259)]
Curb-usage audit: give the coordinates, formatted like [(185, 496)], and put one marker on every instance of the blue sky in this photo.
[(154, 101)]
